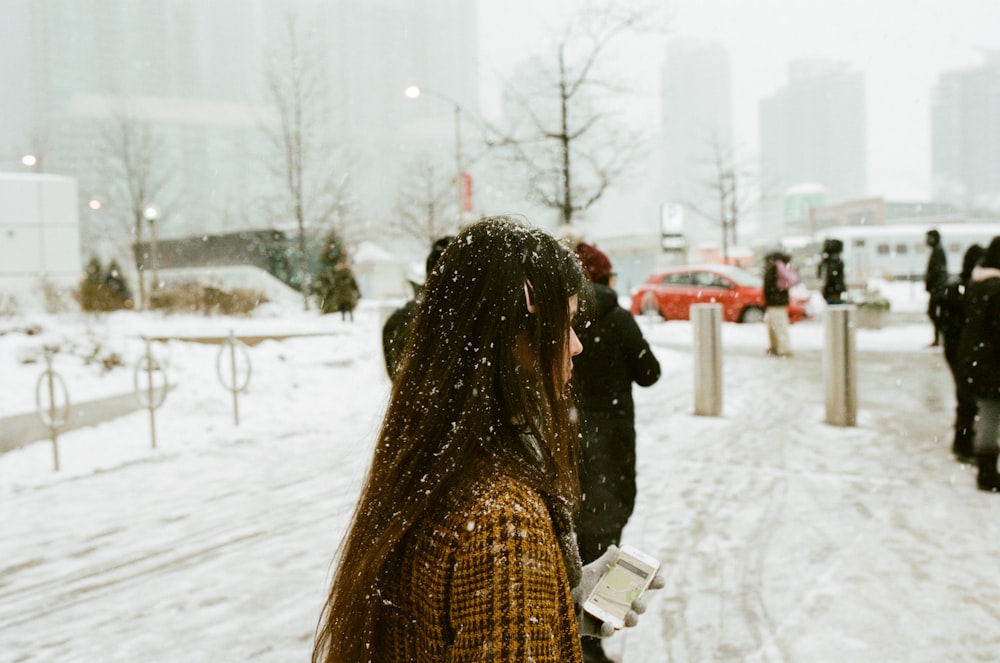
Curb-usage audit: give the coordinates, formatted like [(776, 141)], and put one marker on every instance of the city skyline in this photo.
[(901, 48), (490, 49)]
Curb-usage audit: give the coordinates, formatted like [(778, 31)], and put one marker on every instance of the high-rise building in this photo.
[(965, 137), (695, 130), (194, 75), (813, 131), (78, 70)]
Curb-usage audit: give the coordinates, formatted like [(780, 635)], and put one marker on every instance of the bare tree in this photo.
[(425, 202), (133, 157), (728, 188), (314, 185), (562, 126)]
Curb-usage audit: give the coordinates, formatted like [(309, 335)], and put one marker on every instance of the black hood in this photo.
[(605, 299)]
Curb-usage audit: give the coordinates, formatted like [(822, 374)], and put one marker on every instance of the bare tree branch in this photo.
[(132, 157), (311, 166), (425, 204), (572, 152), (728, 186)]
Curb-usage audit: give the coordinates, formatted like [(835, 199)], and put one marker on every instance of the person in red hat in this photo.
[(615, 355)]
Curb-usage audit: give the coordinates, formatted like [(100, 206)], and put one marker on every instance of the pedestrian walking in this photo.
[(979, 361), (952, 320), (935, 280), (779, 277), (615, 356), (461, 547), (346, 292), (831, 271)]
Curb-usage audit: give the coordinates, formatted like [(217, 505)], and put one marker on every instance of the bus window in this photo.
[(902, 249), (882, 249)]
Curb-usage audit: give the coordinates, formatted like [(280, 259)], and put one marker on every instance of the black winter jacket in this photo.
[(936, 275), (614, 356), (831, 270), (951, 317), (394, 336), (979, 346), (773, 295)]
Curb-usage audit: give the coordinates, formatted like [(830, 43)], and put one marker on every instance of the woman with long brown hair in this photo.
[(461, 545)]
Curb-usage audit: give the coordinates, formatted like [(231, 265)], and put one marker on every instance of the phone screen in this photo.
[(624, 582)]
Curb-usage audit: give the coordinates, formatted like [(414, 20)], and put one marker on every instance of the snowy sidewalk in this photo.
[(785, 539), (782, 538)]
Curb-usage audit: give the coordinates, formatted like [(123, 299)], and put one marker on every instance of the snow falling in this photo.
[(781, 538)]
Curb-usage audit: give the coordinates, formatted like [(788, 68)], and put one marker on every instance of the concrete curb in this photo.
[(22, 429)]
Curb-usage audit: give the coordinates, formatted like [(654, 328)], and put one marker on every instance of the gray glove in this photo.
[(590, 625)]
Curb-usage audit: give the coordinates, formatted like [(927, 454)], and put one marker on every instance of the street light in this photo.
[(150, 214), (414, 91)]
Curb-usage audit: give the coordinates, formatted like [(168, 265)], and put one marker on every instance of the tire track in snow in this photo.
[(26, 603), (306, 498)]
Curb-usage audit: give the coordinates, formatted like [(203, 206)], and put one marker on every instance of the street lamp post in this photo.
[(151, 215), (414, 91), (139, 259)]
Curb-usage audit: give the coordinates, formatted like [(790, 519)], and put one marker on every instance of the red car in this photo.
[(671, 292)]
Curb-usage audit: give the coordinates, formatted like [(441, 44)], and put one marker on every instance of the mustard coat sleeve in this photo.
[(510, 595)]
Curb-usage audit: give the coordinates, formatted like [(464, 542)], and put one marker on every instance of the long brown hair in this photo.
[(481, 373)]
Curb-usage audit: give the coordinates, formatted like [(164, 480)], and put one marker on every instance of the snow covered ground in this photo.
[(782, 538)]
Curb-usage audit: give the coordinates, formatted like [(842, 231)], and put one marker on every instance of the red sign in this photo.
[(466, 192)]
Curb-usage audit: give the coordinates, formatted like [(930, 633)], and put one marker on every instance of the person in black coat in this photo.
[(979, 361), (952, 319), (776, 305), (394, 329), (935, 279), (615, 355), (831, 270)]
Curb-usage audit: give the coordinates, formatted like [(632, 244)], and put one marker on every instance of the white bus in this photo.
[(899, 252)]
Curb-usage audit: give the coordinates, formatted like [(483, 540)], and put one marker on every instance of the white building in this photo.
[(965, 128), (193, 74), (814, 129), (696, 130), (39, 235)]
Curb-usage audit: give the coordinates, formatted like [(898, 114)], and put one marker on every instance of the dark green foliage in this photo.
[(334, 284), (116, 284), (103, 289)]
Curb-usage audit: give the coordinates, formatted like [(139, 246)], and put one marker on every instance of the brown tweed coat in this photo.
[(485, 581)]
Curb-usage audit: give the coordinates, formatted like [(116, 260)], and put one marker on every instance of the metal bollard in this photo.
[(707, 326), (840, 374)]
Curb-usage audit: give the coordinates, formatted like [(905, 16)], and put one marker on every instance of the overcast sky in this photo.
[(901, 45)]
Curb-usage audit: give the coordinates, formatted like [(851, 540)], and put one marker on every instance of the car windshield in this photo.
[(744, 278)]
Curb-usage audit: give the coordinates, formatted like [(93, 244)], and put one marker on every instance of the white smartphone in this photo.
[(626, 580)]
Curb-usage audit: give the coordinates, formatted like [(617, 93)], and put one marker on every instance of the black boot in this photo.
[(988, 479), (962, 450)]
